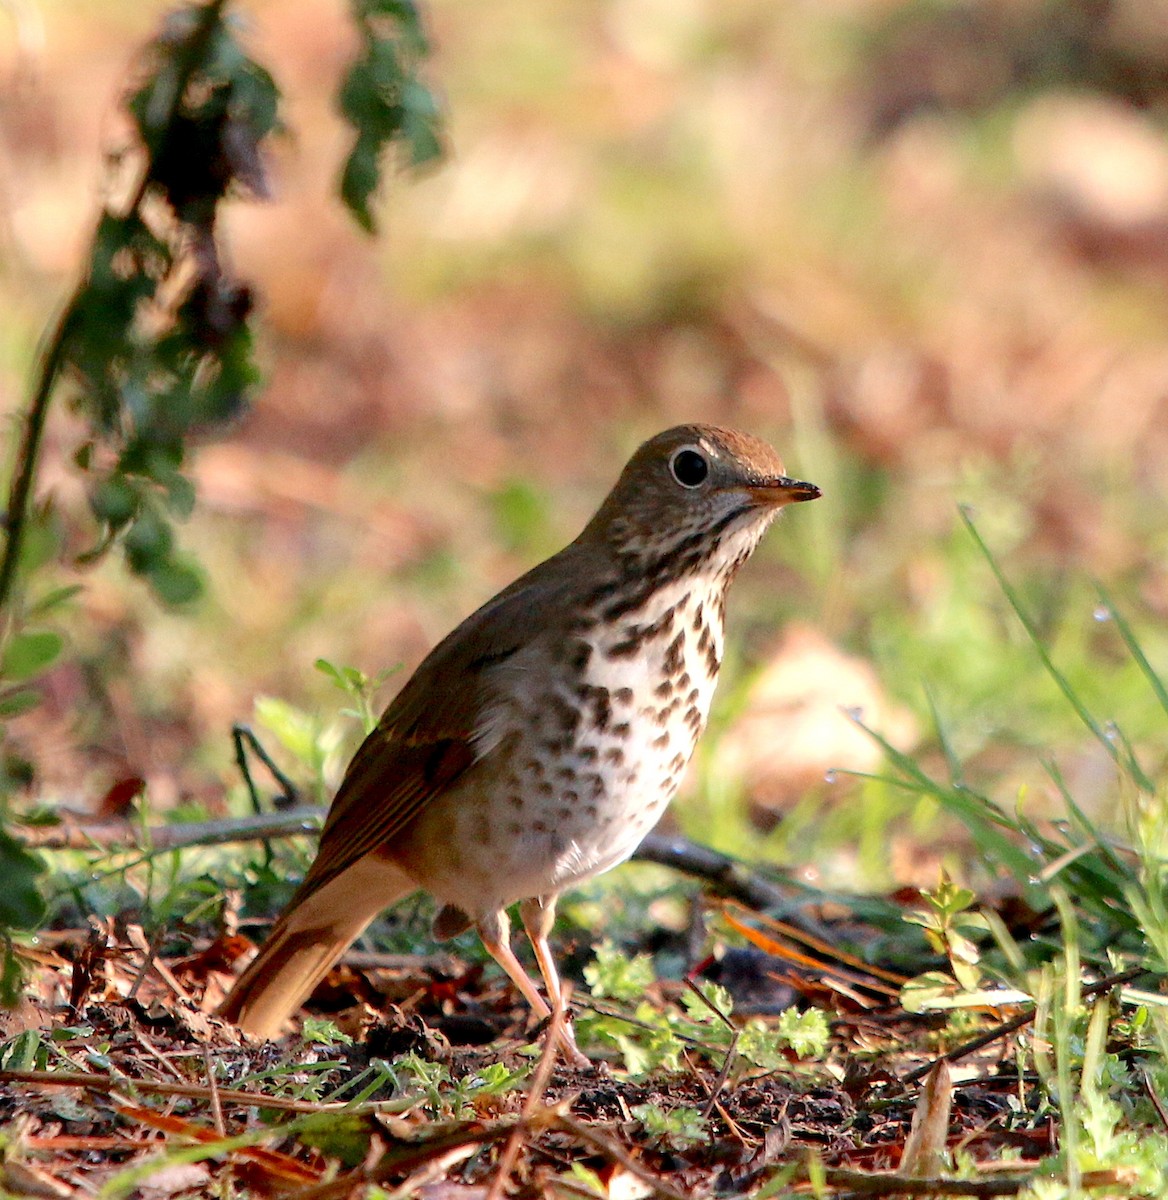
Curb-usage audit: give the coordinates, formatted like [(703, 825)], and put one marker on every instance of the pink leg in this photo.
[(539, 915), (496, 934)]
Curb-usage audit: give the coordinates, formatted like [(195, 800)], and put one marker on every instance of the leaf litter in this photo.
[(119, 1081)]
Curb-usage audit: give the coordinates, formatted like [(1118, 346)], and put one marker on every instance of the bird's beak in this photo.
[(781, 490)]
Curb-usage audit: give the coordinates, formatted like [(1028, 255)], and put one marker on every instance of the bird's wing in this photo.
[(429, 737)]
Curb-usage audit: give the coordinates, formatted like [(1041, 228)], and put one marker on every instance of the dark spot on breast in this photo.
[(692, 698), (588, 754), (627, 646), (564, 812), (533, 766), (623, 695), (698, 618), (704, 639), (693, 718), (675, 655), (581, 654), (664, 689), (515, 801), (713, 662), (621, 730), (594, 784), (635, 636), (597, 698), (545, 789), (660, 743), (633, 599), (614, 755), (677, 762), (539, 827), (567, 774), (684, 681), (565, 715)]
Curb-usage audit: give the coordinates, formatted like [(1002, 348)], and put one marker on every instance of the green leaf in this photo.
[(28, 654), (806, 1032), (12, 704), (53, 599), (341, 1135), (114, 500), (697, 1008), (21, 904), (324, 1033), (177, 582), (679, 1127), (360, 179), (333, 672), (617, 975), (421, 123), (180, 495), (25, 1052), (148, 543)]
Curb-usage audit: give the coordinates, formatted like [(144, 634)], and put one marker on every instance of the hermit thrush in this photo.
[(542, 739)]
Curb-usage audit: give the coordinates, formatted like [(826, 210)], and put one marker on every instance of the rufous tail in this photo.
[(306, 941)]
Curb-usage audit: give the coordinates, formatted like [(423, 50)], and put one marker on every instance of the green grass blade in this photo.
[(984, 819), (954, 763), (1133, 647), (1127, 763)]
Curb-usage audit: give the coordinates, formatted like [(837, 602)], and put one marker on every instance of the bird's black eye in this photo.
[(689, 468)]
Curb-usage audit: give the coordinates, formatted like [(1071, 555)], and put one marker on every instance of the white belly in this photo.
[(599, 760)]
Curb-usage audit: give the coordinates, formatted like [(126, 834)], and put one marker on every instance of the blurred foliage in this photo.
[(156, 340), (384, 100)]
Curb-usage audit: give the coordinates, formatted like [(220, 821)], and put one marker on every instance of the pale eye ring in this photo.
[(689, 467)]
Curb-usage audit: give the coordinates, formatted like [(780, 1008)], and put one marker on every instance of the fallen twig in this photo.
[(862, 1183), (111, 1083), (77, 834)]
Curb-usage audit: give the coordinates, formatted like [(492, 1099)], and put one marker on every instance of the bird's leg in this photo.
[(495, 931), (539, 915)]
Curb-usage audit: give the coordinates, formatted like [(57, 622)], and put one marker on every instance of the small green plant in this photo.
[(950, 927), (322, 1032), (678, 1127), (359, 687), (433, 1087), (653, 1038)]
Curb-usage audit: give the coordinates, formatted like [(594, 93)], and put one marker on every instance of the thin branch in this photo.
[(861, 1183), (110, 1083), (1015, 1023), (76, 834)]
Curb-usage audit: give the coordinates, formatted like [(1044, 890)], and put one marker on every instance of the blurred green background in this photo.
[(922, 247)]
